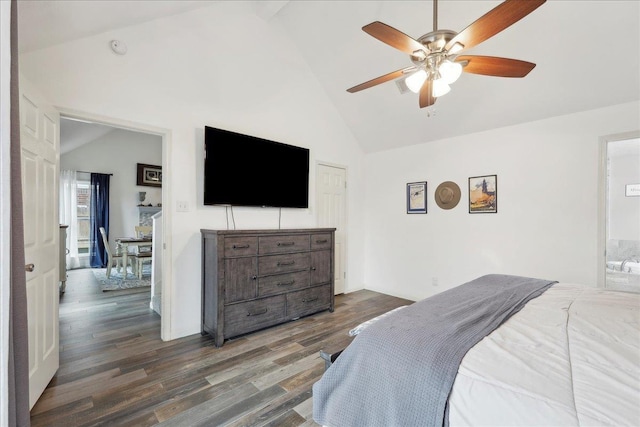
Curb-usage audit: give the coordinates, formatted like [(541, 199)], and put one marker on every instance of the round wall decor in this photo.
[(447, 195)]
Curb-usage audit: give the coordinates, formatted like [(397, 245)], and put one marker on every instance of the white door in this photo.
[(331, 185), (39, 139)]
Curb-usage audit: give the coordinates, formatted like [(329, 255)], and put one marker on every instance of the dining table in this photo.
[(124, 243)]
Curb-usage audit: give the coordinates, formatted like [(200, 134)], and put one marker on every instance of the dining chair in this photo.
[(143, 231), (111, 257), (140, 258)]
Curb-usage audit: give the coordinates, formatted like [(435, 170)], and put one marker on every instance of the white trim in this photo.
[(5, 204), (165, 134), (602, 200), (331, 165)]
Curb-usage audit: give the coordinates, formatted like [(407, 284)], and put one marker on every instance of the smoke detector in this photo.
[(118, 47)]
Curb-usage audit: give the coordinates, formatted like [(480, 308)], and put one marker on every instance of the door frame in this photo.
[(601, 246), (5, 204), (346, 213), (165, 134)]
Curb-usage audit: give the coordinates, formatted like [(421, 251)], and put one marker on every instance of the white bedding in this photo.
[(569, 357)]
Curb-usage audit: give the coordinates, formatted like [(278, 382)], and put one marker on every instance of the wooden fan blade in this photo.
[(381, 79), (491, 23), (426, 94), (393, 37), (494, 66)]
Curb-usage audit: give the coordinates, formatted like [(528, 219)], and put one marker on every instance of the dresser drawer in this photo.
[(240, 246), (308, 301), (321, 241), (283, 244), (283, 283), (274, 264), (252, 315)]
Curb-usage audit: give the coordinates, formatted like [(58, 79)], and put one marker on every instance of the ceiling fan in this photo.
[(435, 55)]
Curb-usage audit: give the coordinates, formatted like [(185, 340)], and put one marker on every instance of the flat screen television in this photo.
[(243, 170)]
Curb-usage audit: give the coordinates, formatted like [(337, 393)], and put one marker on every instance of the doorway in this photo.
[(87, 148), (131, 193), (621, 165), (331, 200)]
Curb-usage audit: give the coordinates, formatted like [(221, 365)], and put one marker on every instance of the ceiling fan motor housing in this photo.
[(434, 43)]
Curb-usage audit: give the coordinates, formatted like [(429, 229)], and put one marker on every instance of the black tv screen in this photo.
[(243, 170)]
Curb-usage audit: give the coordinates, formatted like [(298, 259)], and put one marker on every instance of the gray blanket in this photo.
[(400, 370)]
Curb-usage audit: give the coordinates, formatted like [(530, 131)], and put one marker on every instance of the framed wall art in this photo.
[(632, 190), (417, 197), (149, 175), (483, 194)]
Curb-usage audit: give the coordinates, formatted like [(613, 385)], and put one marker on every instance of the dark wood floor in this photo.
[(115, 369)]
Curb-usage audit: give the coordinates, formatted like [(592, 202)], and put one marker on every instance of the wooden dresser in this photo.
[(252, 279)]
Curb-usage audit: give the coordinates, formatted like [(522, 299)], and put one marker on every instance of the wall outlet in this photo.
[(182, 206), (434, 281)]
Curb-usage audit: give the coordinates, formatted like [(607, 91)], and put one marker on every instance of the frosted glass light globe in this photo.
[(415, 81), (440, 88), (450, 71)]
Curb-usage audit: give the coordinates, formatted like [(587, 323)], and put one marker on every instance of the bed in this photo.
[(567, 355)]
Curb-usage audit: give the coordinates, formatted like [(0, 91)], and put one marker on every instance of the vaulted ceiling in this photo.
[(587, 55)]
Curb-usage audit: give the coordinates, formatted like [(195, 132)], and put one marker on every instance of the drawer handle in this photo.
[(310, 299), (286, 243), (254, 277), (313, 269), (281, 263), (240, 246), (321, 241), (258, 313), (286, 283)]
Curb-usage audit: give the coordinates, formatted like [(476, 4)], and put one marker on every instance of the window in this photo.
[(84, 212)]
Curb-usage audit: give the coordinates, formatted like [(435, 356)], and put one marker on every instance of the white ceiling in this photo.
[(75, 133), (44, 23), (587, 55)]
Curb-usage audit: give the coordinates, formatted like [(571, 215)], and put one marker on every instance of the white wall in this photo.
[(118, 152), (546, 224), (182, 73)]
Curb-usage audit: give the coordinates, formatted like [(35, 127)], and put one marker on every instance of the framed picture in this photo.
[(483, 194), (149, 175), (632, 190), (417, 197)]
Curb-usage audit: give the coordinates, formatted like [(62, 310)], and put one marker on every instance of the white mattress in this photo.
[(569, 357)]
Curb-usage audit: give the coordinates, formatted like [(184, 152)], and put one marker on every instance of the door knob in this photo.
[(29, 267)]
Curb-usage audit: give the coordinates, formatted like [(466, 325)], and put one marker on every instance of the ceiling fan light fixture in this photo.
[(434, 55), (450, 71), (440, 88), (415, 81)]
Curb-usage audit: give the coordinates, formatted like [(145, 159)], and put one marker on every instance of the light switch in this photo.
[(182, 206)]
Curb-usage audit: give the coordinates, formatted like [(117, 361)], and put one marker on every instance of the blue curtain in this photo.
[(99, 217)]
